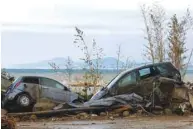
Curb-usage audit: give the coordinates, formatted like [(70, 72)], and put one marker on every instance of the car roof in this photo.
[(132, 69), (144, 66)]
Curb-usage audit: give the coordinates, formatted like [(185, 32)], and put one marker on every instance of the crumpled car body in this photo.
[(33, 88), (155, 81)]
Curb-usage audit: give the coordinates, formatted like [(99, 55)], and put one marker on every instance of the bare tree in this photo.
[(54, 66), (118, 57), (154, 20), (92, 74), (178, 29), (150, 52), (127, 64), (120, 65), (69, 68), (158, 20), (98, 55)]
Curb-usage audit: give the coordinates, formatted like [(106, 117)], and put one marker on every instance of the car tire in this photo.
[(24, 100)]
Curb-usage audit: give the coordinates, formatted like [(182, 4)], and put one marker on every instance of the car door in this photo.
[(146, 76), (45, 88), (62, 93), (31, 86), (127, 84), (56, 91)]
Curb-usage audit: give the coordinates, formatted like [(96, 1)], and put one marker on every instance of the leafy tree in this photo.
[(178, 29)]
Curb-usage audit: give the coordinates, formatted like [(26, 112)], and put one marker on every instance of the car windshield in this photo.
[(13, 84), (118, 76), (17, 80), (109, 82)]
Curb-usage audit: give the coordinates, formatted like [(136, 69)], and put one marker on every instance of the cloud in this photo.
[(49, 11)]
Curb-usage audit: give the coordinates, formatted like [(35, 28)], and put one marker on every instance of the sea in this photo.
[(59, 75)]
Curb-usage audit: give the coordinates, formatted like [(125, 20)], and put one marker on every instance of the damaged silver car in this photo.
[(26, 90), (155, 81)]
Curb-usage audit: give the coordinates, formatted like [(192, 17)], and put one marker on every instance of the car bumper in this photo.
[(9, 98)]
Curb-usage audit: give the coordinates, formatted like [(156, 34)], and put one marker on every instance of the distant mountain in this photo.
[(40, 65), (108, 63)]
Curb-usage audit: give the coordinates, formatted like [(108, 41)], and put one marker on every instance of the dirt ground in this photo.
[(158, 122)]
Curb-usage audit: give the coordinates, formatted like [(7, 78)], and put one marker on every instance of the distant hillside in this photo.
[(39, 65), (108, 63)]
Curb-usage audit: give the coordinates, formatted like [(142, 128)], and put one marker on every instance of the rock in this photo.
[(43, 106), (168, 111), (116, 115), (139, 112), (3, 112), (158, 112), (82, 115), (187, 113), (133, 116), (103, 114), (58, 107), (53, 119), (122, 108), (180, 93), (33, 117), (191, 98), (94, 115), (111, 118), (24, 118), (125, 113), (17, 119), (158, 108)]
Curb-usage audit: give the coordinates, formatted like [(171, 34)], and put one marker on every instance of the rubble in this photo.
[(123, 108), (125, 113), (82, 116), (157, 96), (103, 114), (7, 122), (43, 106), (167, 111), (190, 94)]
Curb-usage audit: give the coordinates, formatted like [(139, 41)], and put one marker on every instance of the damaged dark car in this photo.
[(151, 83)]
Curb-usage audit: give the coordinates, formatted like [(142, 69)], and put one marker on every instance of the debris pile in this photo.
[(6, 122), (156, 93)]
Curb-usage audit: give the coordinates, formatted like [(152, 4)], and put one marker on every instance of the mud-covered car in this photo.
[(26, 90), (157, 80)]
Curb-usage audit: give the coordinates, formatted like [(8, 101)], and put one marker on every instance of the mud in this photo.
[(131, 122)]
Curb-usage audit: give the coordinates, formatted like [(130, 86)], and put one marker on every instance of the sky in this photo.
[(35, 30)]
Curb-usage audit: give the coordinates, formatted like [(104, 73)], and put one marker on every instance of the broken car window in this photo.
[(144, 73), (127, 80)]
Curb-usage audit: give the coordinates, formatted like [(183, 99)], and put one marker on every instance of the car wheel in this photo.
[(24, 100)]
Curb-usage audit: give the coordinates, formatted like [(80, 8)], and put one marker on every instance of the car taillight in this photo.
[(17, 84)]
